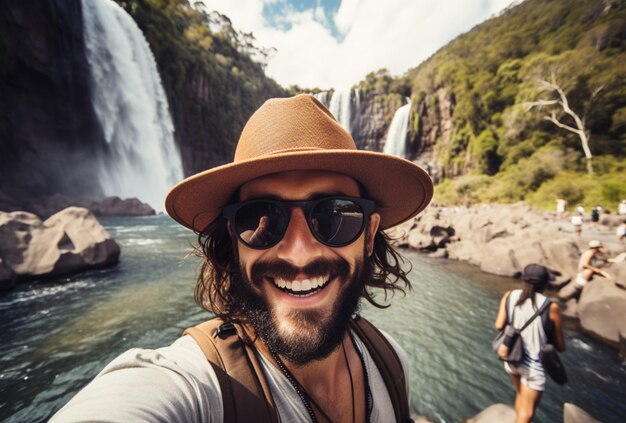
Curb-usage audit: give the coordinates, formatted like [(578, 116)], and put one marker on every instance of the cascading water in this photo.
[(396, 137), (340, 106), (143, 160), (322, 96)]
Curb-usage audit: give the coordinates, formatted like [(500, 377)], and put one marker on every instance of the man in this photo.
[(587, 266), (291, 233)]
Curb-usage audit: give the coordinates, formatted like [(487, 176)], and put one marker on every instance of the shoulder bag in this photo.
[(508, 343)]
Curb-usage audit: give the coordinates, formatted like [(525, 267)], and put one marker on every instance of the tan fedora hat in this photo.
[(299, 133)]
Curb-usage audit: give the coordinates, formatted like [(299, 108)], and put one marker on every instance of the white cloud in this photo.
[(394, 34)]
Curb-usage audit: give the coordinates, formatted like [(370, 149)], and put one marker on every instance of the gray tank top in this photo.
[(534, 335)]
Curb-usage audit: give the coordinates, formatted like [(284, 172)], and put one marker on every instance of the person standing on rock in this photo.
[(588, 267), (560, 207), (577, 221), (516, 307), (291, 240)]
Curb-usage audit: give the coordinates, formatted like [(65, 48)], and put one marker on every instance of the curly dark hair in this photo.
[(214, 292)]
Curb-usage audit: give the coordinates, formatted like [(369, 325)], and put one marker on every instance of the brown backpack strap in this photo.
[(245, 393), (387, 362)]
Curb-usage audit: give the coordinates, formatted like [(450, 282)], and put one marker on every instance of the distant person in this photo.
[(588, 266), (621, 208), (529, 377), (291, 241), (577, 222), (595, 215), (560, 207), (621, 231)]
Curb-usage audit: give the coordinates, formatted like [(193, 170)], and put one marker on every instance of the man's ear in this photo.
[(372, 228)]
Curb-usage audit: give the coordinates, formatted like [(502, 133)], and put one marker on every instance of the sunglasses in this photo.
[(333, 221)]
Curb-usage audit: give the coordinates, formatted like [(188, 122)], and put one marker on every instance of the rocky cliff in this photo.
[(47, 126)]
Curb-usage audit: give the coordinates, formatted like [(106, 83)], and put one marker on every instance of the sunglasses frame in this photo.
[(286, 206)]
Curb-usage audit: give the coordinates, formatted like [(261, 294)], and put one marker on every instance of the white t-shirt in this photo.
[(177, 384)]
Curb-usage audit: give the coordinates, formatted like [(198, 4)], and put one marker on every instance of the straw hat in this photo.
[(299, 133), (594, 243)]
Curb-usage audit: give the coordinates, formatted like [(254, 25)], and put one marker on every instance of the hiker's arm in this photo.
[(501, 317), (172, 384), (555, 317)]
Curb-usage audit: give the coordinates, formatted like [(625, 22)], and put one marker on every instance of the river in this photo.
[(56, 335)]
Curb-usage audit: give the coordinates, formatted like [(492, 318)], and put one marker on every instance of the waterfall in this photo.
[(396, 137), (341, 105), (322, 96), (142, 159)]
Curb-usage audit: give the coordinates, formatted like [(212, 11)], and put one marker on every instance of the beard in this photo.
[(314, 333)]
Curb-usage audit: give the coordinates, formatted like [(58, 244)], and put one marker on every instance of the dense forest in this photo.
[(521, 91)]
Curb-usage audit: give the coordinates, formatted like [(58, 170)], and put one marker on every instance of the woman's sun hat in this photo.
[(299, 133)]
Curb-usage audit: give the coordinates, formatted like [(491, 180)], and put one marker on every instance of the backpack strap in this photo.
[(246, 395), (548, 326), (387, 362)]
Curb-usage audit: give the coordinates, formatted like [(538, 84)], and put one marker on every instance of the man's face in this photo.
[(303, 327)]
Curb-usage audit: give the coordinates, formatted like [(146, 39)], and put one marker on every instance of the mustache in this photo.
[(285, 270)]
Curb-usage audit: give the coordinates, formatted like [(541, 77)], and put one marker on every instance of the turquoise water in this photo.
[(56, 335)]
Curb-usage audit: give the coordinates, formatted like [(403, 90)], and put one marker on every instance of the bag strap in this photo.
[(246, 395), (388, 364), (540, 310)]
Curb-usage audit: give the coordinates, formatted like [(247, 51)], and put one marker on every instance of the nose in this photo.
[(299, 247)]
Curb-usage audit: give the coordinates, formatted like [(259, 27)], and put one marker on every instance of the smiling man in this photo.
[(291, 236)]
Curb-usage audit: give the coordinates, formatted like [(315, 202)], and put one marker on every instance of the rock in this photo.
[(568, 291), (622, 343), (69, 241), (618, 270), (575, 414), (7, 276), (496, 413), (420, 419), (501, 239), (498, 258), (115, 206), (570, 310), (601, 310), (45, 207)]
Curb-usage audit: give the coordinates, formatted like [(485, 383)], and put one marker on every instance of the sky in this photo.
[(335, 43)]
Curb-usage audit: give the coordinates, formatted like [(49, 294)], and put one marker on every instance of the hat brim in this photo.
[(400, 188)]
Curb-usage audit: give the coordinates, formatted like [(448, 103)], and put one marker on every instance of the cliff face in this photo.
[(376, 112), (47, 123), (211, 81), (209, 114)]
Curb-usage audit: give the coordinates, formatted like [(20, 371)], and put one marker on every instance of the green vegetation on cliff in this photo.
[(507, 139)]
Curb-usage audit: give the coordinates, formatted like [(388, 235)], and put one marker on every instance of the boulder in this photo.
[(601, 310), (575, 414), (45, 207), (501, 239), (115, 206), (69, 241), (496, 413)]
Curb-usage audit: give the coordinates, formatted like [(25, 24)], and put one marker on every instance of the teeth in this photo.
[(301, 285)]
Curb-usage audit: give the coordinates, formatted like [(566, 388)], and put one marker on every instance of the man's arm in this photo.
[(175, 383)]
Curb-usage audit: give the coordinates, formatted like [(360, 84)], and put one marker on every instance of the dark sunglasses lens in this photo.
[(337, 221), (260, 225)]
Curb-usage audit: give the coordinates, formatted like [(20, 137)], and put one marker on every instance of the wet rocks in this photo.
[(45, 207), (69, 241), (575, 414), (601, 310), (496, 413)]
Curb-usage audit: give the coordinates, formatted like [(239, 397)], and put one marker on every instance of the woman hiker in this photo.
[(529, 377)]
